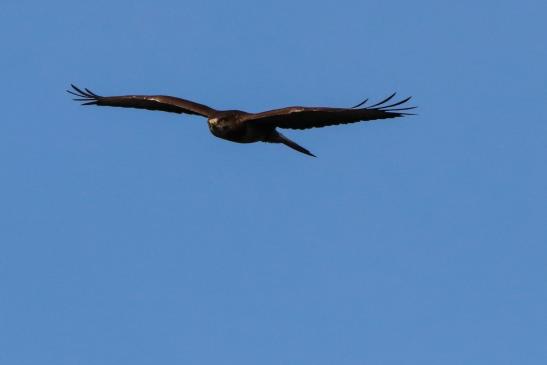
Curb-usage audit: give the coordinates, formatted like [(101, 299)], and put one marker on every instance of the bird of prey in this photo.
[(243, 127)]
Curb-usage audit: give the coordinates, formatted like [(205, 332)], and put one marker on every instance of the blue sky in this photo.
[(135, 237)]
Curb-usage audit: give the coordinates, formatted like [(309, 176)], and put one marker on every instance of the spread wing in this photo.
[(150, 102), (298, 117)]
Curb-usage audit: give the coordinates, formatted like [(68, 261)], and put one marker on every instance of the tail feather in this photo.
[(279, 138)]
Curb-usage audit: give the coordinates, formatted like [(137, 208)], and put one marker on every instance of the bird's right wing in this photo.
[(150, 102)]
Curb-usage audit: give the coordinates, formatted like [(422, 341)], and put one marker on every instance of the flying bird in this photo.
[(243, 127)]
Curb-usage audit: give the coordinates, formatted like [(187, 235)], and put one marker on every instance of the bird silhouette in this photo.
[(243, 127)]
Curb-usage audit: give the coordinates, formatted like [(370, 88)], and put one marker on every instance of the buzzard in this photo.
[(243, 127)]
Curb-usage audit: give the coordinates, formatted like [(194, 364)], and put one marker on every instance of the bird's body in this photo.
[(243, 127), (229, 125)]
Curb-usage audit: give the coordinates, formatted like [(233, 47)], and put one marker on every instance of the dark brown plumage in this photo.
[(243, 127)]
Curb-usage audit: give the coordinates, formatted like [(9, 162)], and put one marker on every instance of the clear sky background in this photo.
[(136, 237)]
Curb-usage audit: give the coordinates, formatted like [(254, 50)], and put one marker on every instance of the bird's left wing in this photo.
[(150, 102), (297, 117)]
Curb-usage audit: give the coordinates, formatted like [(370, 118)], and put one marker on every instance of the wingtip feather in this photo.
[(383, 101)]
